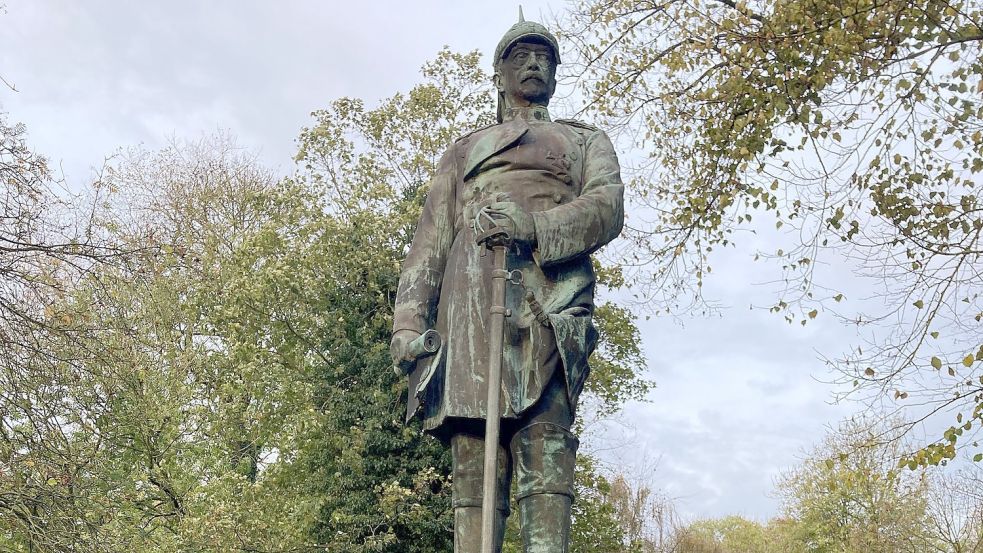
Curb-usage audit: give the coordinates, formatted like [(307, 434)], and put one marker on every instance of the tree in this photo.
[(956, 511), (621, 514), (374, 165), (849, 495), (47, 238), (144, 425), (731, 534), (48, 241), (595, 519), (856, 126)]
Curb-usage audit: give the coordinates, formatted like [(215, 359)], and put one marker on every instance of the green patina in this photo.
[(557, 184)]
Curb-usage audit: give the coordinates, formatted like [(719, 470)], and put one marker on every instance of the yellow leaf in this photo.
[(968, 361), (937, 363)]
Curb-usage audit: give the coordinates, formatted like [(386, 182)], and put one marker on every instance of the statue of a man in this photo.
[(556, 187)]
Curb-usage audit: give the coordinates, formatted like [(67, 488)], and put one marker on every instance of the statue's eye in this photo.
[(521, 56)]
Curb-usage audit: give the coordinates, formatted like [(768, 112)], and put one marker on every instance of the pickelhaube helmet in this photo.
[(524, 30)]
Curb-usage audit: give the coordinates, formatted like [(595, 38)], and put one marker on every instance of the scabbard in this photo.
[(492, 414)]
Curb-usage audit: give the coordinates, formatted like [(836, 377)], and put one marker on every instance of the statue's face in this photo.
[(527, 74)]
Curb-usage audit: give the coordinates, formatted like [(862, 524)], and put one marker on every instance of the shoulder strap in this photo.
[(578, 125)]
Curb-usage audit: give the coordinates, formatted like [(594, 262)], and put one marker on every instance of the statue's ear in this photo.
[(497, 81)]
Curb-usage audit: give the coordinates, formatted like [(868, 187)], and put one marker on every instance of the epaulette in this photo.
[(578, 124)]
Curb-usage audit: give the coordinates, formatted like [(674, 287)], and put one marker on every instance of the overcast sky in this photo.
[(739, 396)]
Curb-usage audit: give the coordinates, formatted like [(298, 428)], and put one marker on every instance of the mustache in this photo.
[(533, 75)]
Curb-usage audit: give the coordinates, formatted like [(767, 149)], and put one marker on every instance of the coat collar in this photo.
[(493, 140), (530, 113)]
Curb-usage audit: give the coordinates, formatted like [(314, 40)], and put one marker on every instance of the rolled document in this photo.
[(424, 345)]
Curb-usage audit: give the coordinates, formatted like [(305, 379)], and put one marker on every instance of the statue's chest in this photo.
[(540, 169), (544, 147)]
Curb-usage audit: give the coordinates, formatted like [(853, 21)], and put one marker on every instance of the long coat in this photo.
[(566, 175)]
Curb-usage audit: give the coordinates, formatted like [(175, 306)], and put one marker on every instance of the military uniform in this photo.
[(565, 175)]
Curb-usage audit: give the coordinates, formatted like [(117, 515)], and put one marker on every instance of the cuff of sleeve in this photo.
[(403, 322)]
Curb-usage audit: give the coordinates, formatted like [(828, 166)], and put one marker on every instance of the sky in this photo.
[(739, 396)]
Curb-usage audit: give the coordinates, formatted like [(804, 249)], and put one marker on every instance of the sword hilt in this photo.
[(495, 236)]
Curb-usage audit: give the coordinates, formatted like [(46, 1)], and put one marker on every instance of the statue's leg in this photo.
[(544, 452), (467, 452), (545, 455)]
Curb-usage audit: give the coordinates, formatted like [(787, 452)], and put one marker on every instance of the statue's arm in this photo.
[(591, 220), (423, 269)]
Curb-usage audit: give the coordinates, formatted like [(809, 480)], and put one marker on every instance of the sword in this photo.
[(497, 240)]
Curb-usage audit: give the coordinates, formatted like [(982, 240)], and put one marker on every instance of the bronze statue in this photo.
[(548, 194)]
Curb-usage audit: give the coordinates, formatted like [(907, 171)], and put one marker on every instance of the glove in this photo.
[(517, 221)]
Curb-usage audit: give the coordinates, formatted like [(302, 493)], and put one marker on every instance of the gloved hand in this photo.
[(400, 345), (517, 221)]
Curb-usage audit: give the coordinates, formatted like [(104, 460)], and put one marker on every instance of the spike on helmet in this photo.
[(525, 29)]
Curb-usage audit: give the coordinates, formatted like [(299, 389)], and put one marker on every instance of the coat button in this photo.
[(558, 198), (573, 156)]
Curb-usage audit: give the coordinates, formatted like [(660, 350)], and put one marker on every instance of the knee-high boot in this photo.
[(545, 520), (468, 453), (545, 455)]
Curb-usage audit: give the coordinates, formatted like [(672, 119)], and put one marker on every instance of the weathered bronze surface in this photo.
[(555, 186)]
